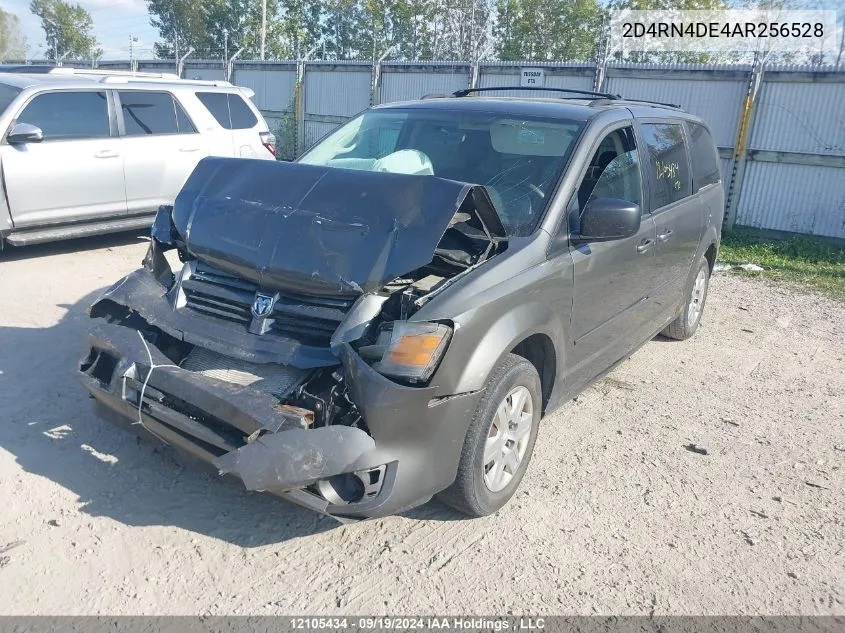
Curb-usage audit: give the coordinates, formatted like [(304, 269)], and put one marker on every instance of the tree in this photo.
[(67, 28), (181, 24), (342, 28), (12, 40), (299, 28), (547, 30), (463, 29), (677, 57)]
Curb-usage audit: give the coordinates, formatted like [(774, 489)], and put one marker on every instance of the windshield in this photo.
[(519, 159), (7, 95)]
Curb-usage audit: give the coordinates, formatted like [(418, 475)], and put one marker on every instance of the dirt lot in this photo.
[(614, 516)]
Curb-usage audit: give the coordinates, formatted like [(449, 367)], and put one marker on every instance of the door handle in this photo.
[(665, 234), (188, 149), (106, 153), (645, 246)]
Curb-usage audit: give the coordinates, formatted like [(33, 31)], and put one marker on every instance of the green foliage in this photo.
[(68, 29), (336, 29), (12, 40), (673, 57), (810, 261), (211, 27), (286, 137), (558, 30)]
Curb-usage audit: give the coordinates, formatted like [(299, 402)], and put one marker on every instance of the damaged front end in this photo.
[(285, 351)]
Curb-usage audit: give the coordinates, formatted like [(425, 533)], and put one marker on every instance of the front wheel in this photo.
[(687, 322), (500, 440)]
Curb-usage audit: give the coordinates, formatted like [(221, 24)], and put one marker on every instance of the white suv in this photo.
[(86, 152)]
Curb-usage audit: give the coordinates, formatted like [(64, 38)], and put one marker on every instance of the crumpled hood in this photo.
[(318, 230)]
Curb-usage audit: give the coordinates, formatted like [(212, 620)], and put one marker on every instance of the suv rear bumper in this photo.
[(414, 442)]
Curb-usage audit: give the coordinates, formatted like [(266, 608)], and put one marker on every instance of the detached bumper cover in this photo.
[(237, 429), (248, 434)]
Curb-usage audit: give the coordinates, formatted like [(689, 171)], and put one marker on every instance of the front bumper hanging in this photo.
[(239, 430)]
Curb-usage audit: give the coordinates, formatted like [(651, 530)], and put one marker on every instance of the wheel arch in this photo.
[(528, 330), (710, 255), (539, 350)]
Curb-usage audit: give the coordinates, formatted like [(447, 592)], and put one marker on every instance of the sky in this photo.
[(115, 21)]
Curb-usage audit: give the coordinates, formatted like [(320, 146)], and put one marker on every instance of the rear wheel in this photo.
[(500, 440), (687, 322)]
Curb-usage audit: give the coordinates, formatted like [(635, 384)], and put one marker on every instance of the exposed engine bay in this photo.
[(256, 333)]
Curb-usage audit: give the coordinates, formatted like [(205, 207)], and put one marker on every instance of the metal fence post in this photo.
[(299, 105), (601, 60), (375, 88), (743, 135), (375, 83), (475, 74)]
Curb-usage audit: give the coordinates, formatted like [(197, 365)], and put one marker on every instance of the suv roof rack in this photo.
[(67, 70), (112, 76), (602, 98), (621, 101), (588, 93), (128, 79)]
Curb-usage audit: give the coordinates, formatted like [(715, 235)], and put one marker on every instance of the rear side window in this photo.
[(242, 116), (230, 110), (150, 113), (68, 115), (705, 160), (218, 104), (669, 165)]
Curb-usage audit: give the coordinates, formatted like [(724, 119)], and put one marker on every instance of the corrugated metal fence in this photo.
[(780, 131)]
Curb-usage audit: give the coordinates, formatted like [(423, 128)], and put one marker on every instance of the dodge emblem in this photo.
[(263, 305)]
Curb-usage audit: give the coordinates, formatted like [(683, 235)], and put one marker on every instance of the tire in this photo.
[(688, 321), (481, 489)]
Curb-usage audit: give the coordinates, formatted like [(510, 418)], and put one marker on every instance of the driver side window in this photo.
[(614, 171)]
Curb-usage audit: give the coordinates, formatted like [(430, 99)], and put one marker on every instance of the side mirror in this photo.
[(607, 219), (25, 133)]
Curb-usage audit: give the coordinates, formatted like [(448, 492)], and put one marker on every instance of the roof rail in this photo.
[(128, 79), (67, 70), (588, 93), (623, 101)]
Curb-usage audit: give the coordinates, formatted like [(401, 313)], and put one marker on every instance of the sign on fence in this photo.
[(532, 77)]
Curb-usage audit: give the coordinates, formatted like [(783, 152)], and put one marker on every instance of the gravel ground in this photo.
[(614, 515)]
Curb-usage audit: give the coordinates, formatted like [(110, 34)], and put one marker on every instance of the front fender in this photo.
[(493, 311), (479, 345)]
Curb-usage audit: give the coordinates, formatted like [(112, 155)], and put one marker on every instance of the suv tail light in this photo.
[(268, 140)]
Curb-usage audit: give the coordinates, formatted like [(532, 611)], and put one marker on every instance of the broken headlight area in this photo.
[(405, 350), (164, 237)]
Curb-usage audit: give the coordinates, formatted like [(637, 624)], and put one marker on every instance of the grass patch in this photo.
[(803, 260)]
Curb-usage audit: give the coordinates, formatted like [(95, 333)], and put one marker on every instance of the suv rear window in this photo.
[(669, 164), (705, 161), (230, 110)]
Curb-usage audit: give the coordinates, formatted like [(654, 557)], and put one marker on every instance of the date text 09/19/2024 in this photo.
[(421, 623)]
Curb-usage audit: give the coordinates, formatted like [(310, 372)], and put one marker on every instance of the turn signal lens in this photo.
[(415, 350)]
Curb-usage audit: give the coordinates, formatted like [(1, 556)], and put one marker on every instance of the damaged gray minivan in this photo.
[(389, 317)]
